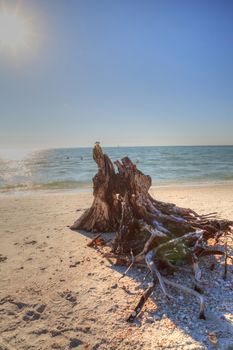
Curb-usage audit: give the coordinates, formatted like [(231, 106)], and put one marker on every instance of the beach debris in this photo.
[(225, 262), (74, 342), (76, 263), (3, 258), (40, 308), (30, 242), (213, 338), (152, 234), (31, 315), (96, 241)]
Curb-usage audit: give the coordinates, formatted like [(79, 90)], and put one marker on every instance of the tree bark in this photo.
[(122, 204), (150, 231)]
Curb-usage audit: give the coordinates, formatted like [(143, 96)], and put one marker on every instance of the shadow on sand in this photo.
[(216, 332)]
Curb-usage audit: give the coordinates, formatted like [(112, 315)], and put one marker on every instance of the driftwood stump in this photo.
[(152, 231)]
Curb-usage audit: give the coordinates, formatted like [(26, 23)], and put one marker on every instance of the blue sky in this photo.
[(122, 72)]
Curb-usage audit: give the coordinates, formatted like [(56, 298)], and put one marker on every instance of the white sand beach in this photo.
[(57, 293)]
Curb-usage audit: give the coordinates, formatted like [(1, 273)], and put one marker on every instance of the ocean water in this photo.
[(73, 168)]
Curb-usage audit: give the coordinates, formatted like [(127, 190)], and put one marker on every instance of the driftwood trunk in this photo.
[(123, 204), (151, 231)]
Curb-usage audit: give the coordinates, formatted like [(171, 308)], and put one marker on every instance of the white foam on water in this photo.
[(74, 168), (10, 154)]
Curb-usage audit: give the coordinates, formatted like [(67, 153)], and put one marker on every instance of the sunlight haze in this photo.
[(121, 72)]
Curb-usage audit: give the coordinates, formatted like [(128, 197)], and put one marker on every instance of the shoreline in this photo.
[(89, 189)]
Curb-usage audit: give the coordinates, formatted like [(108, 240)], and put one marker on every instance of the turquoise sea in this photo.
[(73, 168)]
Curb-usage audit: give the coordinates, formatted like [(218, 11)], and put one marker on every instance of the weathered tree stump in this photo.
[(152, 231)]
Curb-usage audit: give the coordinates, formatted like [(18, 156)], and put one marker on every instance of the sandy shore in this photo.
[(57, 293)]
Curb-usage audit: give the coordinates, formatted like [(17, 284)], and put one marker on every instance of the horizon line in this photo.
[(116, 146)]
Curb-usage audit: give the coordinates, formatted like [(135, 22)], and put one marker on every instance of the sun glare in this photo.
[(14, 31)]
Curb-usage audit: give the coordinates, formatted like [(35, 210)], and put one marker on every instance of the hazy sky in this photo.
[(122, 72)]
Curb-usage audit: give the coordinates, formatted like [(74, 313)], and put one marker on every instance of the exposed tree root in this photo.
[(141, 302), (225, 262), (188, 291), (148, 230)]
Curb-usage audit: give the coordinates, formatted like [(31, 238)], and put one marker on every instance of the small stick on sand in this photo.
[(225, 262), (92, 242)]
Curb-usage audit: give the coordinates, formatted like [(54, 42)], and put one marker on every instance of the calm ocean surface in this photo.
[(73, 168)]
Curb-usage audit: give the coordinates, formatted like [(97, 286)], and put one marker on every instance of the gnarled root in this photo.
[(188, 291), (150, 256), (141, 302), (152, 231)]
